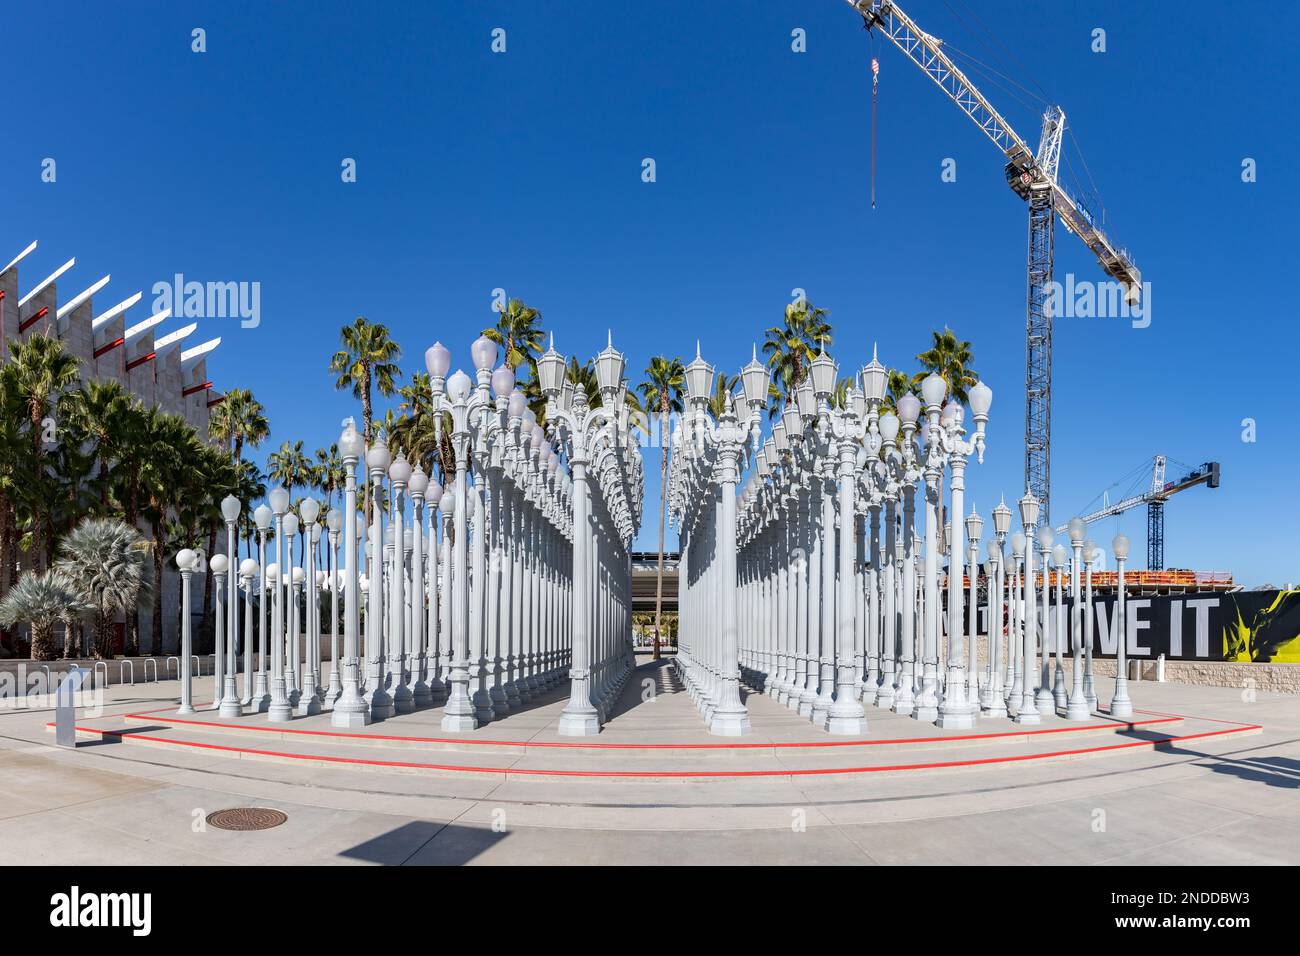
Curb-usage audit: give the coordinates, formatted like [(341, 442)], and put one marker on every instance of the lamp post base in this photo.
[(349, 718), (730, 723), (1077, 709), (1121, 709), (579, 723), (1028, 713), (846, 725)]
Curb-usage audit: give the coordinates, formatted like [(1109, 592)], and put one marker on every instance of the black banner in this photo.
[(1241, 627)]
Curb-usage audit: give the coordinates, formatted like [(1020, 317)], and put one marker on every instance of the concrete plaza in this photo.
[(1201, 797)]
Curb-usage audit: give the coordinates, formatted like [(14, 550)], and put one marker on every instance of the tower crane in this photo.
[(1033, 177), (1154, 498)]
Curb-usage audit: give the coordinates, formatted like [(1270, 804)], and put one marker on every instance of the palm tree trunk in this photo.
[(43, 641), (103, 636), (365, 421), (663, 501)]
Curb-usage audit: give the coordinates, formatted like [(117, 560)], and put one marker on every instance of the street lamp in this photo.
[(260, 700), (185, 563), (1027, 713), (279, 708), (1090, 554), (974, 531), (334, 522), (1077, 707), (350, 708), (1060, 698), (230, 705), (309, 703), (994, 703), (1120, 705), (1044, 699)]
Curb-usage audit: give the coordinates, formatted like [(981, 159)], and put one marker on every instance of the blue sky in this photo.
[(522, 170)]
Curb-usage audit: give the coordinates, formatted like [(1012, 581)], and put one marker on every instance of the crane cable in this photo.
[(875, 82)]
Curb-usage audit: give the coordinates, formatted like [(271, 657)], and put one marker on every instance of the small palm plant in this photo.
[(103, 560), (42, 599)]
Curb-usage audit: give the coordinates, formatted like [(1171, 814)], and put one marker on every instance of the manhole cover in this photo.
[(246, 818)]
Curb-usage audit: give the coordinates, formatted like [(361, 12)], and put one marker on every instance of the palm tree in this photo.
[(662, 391), (367, 360), (100, 409), (103, 560), (722, 388), (165, 473), (41, 599), (329, 473), (897, 384), (950, 358), (518, 332), (42, 370), (791, 346), (289, 466), (237, 420)]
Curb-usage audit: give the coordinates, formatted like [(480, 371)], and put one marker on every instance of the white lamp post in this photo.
[(1090, 552), (974, 530), (309, 701), (279, 708), (1044, 699), (399, 473), (1060, 697), (418, 484), (230, 704), (350, 708), (261, 697), (248, 570), (1077, 706), (458, 712), (185, 563), (381, 704), (219, 564), (1121, 708), (995, 703), (334, 522), (1027, 712)]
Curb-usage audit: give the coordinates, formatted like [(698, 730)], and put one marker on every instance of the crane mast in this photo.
[(1033, 177)]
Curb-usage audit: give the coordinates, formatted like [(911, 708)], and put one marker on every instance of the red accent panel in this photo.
[(24, 326), (140, 361), (196, 388), (109, 347)]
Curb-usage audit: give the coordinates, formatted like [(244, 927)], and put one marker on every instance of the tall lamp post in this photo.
[(996, 705), (279, 708), (1077, 707), (1090, 552), (334, 522), (309, 702), (1060, 697), (230, 509), (261, 697), (1027, 712), (350, 707), (1120, 705), (1044, 699), (185, 562)]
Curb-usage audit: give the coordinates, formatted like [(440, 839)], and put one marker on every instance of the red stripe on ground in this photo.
[(673, 774), (1117, 725)]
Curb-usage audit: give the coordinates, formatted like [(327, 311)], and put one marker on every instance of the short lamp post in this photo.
[(1120, 705), (995, 701), (974, 530), (1089, 684), (334, 522), (309, 702), (230, 703), (1061, 558), (1043, 699), (248, 569)]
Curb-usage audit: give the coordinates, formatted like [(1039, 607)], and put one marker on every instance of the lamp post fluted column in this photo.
[(1027, 712), (279, 708), (350, 708), (1121, 707), (261, 697), (1077, 708), (185, 561)]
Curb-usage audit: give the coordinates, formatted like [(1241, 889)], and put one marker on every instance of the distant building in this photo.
[(122, 344)]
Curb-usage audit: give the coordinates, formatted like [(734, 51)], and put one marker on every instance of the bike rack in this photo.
[(198, 665), (98, 665), (46, 668), (147, 662), (213, 659), (121, 669), (178, 667)]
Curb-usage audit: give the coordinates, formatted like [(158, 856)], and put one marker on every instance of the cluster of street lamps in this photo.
[(803, 576), (824, 594), (529, 580)]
